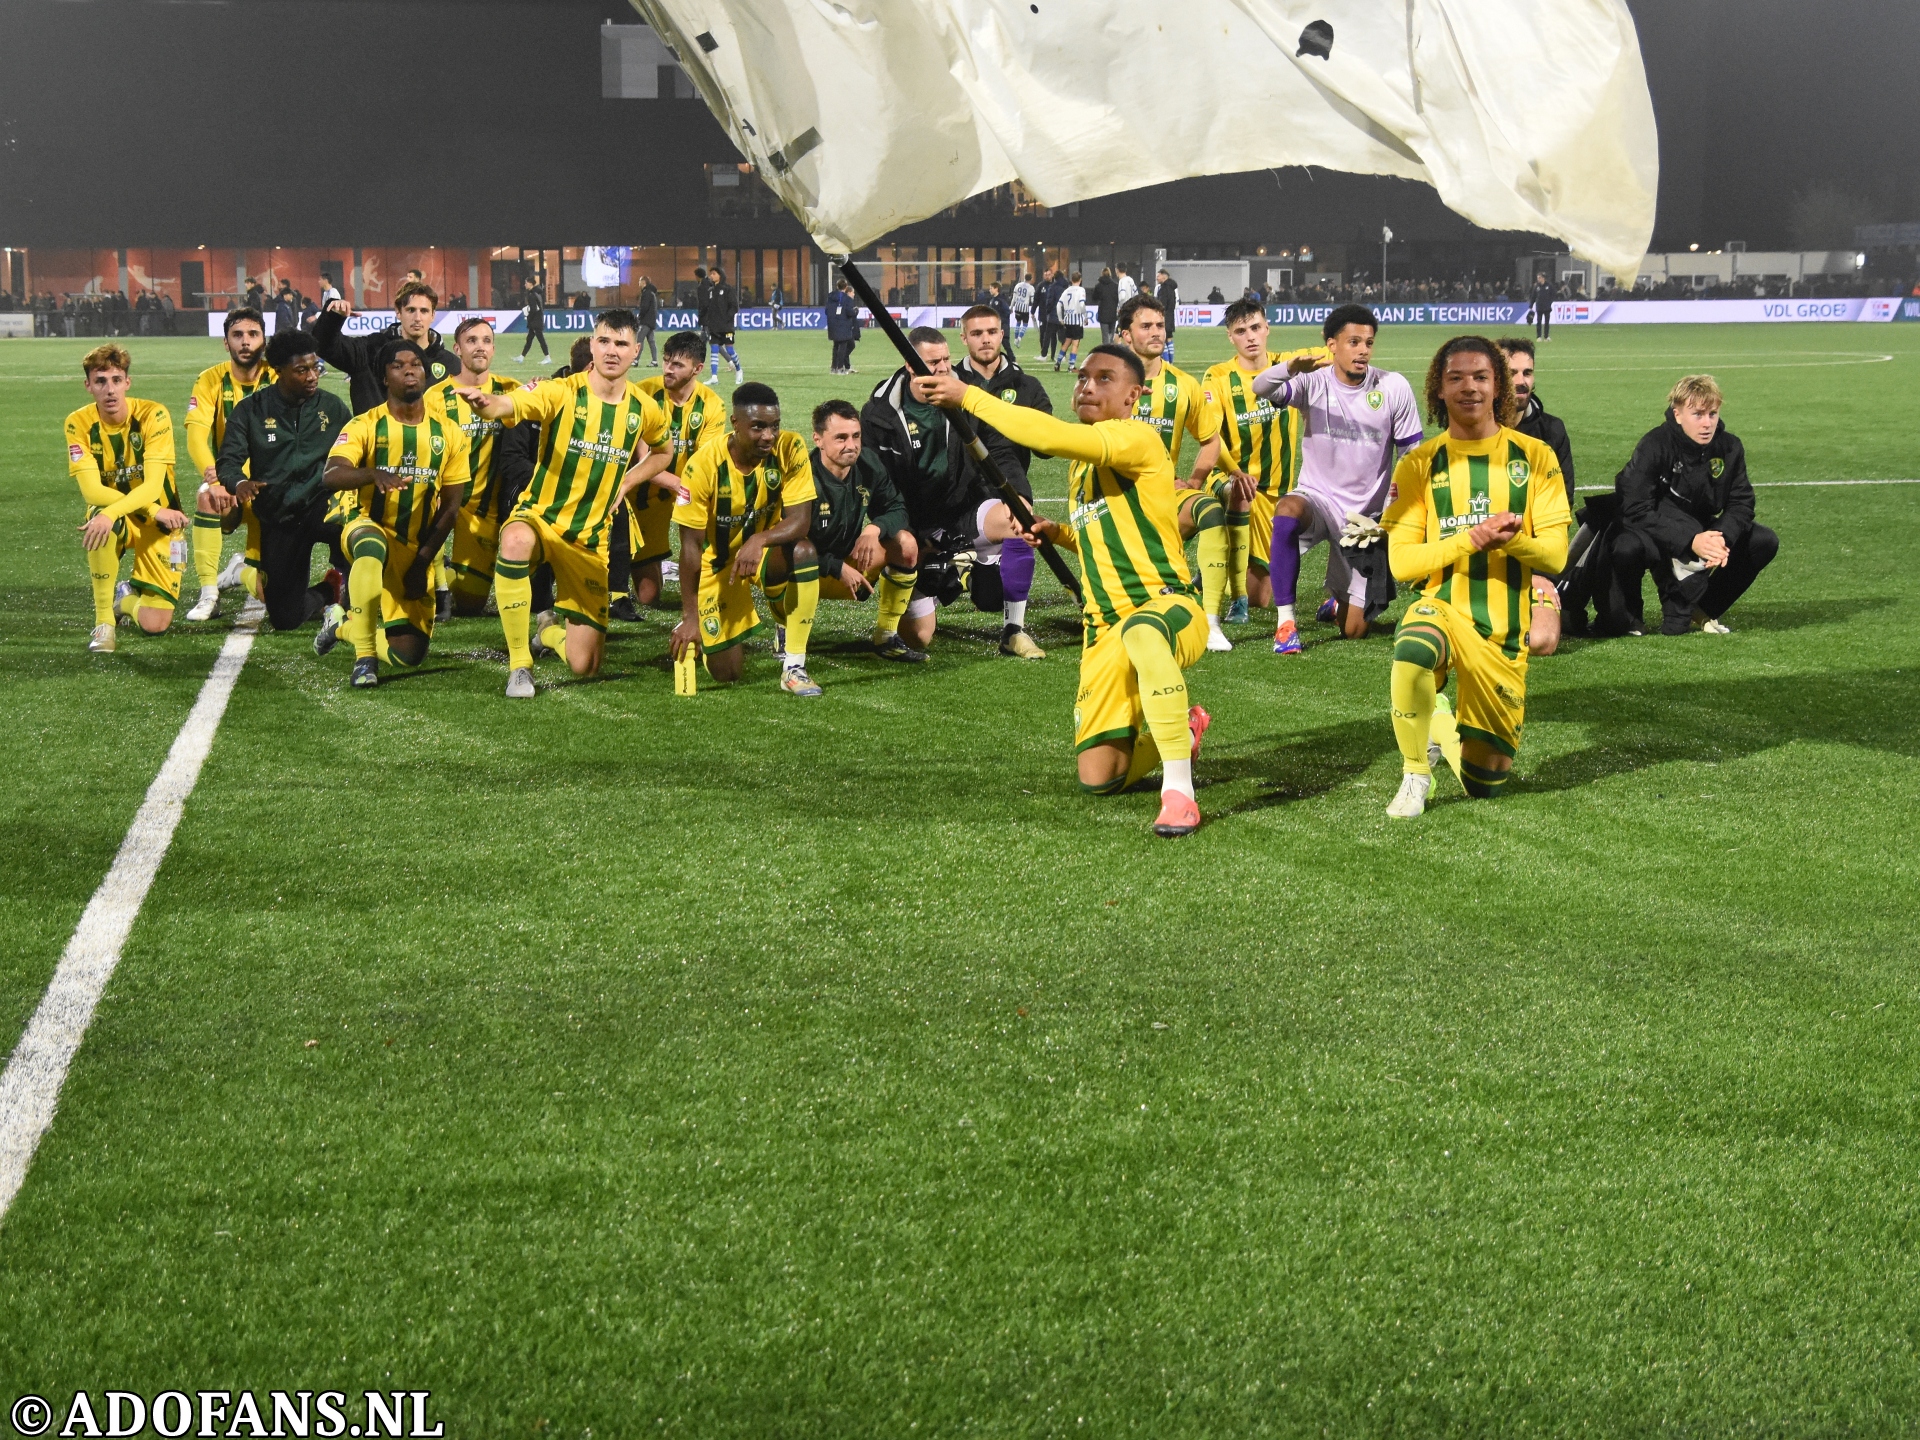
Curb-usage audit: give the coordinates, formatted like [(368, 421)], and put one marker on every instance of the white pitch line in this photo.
[(30, 1088)]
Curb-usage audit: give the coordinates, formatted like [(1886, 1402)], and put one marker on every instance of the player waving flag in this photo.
[(1144, 624)]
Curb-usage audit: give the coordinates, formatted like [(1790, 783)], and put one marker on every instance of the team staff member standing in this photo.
[(718, 312), (275, 456), (843, 328), (414, 305), (217, 390), (1535, 420), (120, 452), (533, 305), (1686, 514)]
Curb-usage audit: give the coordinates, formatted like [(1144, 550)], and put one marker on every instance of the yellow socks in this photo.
[(1445, 732), (802, 601), (1239, 548), (554, 637), (250, 580), (1163, 689), (128, 604), (513, 594), (1412, 689), (207, 539), (103, 570), (895, 591), (363, 600)]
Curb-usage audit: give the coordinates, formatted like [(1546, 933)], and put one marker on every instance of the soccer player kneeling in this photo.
[(600, 439), (120, 452), (1144, 622), (743, 516), (1473, 513), (406, 463)]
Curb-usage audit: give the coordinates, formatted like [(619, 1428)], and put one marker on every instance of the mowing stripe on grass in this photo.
[(30, 1088), (1586, 489)]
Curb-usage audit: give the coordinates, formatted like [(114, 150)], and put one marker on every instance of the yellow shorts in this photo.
[(1107, 706), (728, 616), (649, 512), (476, 546), (156, 579), (397, 612), (1491, 704), (579, 574)]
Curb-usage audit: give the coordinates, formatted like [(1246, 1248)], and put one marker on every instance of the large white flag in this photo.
[(865, 115)]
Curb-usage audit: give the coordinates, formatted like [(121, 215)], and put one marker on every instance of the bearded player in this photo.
[(215, 392), (1475, 512), (695, 414), (1176, 406), (1144, 624), (501, 461)]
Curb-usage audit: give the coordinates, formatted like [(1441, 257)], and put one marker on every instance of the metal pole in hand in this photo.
[(963, 426)]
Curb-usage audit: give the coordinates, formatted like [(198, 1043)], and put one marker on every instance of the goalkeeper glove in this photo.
[(1361, 531)]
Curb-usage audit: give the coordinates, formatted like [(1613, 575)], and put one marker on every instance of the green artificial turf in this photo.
[(619, 1064)]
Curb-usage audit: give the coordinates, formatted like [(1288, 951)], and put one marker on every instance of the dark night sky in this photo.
[(1758, 102)]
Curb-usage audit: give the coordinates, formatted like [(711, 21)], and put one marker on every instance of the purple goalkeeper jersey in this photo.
[(1351, 436)]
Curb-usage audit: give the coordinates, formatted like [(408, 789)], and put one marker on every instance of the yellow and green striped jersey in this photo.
[(484, 497), (727, 503), (135, 455), (432, 454), (215, 393), (1173, 403), (691, 425), (1257, 437), (1125, 522), (1444, 487), (587, 446)]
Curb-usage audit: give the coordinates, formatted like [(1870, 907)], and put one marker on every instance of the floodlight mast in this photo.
[(963, 425)]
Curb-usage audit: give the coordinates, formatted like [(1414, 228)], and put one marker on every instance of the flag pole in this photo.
[(963, 426)]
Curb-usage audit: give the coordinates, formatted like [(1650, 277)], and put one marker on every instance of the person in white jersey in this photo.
[(1356, 422), (1022, 308), (1072, 308)]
